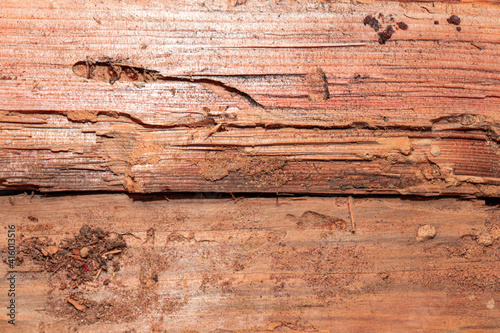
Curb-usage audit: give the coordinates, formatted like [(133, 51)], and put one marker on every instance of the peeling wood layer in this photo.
[(116, 153)]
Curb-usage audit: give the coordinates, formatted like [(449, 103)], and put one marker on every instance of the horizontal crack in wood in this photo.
[(110, 71)]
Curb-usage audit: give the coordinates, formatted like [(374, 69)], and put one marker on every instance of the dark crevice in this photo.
[(492, 201), (229, 89), (164, 196), (112, 72), (208, 121)]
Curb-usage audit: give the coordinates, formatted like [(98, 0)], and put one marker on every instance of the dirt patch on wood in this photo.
[(312, 219), (263, 170), (401, 144), (110, 301), (88, 262), (81, 258)]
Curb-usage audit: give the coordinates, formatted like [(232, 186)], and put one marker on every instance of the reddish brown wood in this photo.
[(334, 110), (262, 265)]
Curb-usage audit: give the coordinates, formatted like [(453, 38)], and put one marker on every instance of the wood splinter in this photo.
[(98, 274), (111, 252), (76, 305)]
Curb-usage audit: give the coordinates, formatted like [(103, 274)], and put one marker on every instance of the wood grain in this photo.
[(198, 264), (335, 111)]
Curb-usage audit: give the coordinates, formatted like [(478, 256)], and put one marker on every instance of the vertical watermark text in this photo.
[(11, 274)]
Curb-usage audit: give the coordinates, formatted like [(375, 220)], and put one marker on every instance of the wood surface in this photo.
[(208, 264), (250, 96)]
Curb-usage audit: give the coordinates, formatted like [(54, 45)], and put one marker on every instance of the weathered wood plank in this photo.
[(262, 264), (266, 84)]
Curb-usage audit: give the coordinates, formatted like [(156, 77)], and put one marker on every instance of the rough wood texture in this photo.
[(250, 96), (261, 265)]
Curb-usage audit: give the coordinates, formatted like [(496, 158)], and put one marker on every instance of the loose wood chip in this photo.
[(77, 305), (98, 273), (111, 252), (76, 257)]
